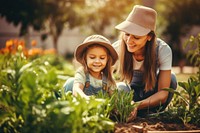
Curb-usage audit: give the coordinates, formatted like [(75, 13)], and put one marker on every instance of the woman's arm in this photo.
[(78, 90), (161, 96)]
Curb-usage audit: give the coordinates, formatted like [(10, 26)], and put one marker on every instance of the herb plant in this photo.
[(188, 109), (28, 102)]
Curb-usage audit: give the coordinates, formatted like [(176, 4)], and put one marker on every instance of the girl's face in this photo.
[(135, 43), (96, 59)]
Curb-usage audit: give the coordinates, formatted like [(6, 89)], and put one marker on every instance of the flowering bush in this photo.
[(14, 45), (31, 97)]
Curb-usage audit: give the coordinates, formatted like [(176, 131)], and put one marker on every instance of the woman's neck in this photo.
[(139, 55)]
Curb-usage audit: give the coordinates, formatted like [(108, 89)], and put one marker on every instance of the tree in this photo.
[(180, 16), (105, 13), (64, 14), (53, 16), (42, 14)]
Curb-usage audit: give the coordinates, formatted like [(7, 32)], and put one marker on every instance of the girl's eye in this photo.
[(103, 57), (92, 57)]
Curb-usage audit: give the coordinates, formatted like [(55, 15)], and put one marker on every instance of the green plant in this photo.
[(75, 114), (122, 106), (192, 87), (193, 43), (189, 112), (24, 84), (28, 102)]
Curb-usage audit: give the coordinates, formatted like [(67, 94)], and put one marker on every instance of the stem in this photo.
[(198, 57)]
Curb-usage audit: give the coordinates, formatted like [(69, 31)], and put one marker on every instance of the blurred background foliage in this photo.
[(175, 18), (179, 18), (54, 16)]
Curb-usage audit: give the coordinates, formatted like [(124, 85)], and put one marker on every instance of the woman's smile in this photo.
[(135, 43)]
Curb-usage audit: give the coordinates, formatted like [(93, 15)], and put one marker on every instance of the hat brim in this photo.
[(82, 47), (132, 28)]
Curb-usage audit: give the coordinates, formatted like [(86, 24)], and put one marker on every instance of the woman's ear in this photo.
[(149, 37)]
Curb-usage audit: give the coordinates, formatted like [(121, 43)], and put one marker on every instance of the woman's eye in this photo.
[(136, 37), (127, 34)]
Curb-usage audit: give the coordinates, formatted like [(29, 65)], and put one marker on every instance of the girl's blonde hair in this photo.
[(107, 71), (126, 70)]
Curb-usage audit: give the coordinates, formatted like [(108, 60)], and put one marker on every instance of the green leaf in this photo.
[(197, 90), (185, 86), (29, 80), (177, 93)]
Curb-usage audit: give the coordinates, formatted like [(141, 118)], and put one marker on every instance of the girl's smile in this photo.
[(96, 59)]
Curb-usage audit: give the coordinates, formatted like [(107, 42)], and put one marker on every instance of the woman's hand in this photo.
[(132, 115)]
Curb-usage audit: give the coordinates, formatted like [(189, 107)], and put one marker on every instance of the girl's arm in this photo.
[(78, 90), (161, 96)]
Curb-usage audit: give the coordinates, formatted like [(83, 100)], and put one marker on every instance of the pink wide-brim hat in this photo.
[(140, 21), (95, 39)]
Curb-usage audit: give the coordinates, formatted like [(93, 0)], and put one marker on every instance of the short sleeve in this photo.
[(80, 76), (164, 55)]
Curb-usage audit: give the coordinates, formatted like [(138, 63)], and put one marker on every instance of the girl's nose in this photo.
[(97, 60)]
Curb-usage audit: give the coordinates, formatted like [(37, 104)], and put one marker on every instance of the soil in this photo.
[(142, 125)]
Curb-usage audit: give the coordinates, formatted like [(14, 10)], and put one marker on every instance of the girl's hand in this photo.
[(132, 115), (87, 97)]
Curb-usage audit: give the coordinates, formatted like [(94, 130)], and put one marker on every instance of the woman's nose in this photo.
[(130, 39)]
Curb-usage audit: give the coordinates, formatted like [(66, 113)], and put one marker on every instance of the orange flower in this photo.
[(33, 43), (4, 50), (21, 42), (50, 51), (15, 42), (35, 51), (9, 43)]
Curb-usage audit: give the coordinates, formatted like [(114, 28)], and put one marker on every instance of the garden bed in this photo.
[(153, 125), (32, 97)]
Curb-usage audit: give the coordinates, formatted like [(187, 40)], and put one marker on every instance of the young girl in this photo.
[(150, 62), (97, 56)]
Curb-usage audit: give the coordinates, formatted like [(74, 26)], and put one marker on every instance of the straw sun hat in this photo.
[(140, 21), (95, 39)]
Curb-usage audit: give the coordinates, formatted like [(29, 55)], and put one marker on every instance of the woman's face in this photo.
[(96, 59), (135, 43)]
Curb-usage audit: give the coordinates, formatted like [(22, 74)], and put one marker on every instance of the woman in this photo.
[(145, 62)]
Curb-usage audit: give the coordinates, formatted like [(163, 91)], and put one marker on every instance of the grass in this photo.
[(183, 76)]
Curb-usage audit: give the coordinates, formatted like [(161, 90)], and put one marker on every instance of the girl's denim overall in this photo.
[(88, 88)]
